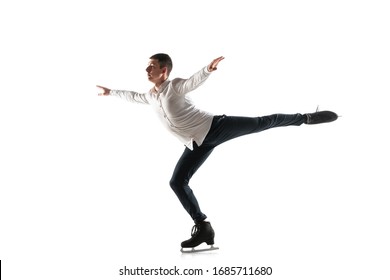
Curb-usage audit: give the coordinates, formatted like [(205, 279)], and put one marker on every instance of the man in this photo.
[(198, 130)]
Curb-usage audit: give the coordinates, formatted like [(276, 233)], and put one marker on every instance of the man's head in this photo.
[(159, 67)]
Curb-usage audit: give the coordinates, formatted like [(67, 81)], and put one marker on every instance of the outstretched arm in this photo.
[(184, 86), (131, 96), (213, 65)]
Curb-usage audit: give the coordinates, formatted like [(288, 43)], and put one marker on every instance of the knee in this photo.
[(176, 184)]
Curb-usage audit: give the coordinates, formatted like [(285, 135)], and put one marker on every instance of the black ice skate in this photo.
[(201, 232), (321, 117)]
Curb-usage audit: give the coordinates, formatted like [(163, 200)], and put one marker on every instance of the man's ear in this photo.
[(164, 69)]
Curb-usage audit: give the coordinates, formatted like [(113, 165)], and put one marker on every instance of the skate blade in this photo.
[(194, 250)]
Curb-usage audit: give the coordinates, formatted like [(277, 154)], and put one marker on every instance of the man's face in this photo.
[(155, 74)]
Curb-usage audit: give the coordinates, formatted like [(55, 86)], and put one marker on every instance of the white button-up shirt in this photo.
[(178, 114)]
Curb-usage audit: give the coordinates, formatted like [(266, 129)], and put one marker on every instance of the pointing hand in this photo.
[(213, 65), (106, 91)]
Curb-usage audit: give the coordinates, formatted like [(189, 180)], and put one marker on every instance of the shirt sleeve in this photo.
[(184, 86), (130, 96)]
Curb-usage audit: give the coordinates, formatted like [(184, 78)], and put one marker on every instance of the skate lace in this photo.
[(309, 115), (195, 230)]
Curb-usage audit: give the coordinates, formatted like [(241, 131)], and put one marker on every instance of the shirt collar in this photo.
[(162, 87)]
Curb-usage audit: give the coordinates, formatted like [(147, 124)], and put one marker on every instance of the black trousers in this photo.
[(223, 128)]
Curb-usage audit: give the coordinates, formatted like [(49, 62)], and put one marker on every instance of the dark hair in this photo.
[(164, 60)]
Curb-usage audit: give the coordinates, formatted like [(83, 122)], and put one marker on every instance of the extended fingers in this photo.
[(220, 58), (103, 90)]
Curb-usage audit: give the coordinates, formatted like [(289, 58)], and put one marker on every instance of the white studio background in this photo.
[(84, 179)]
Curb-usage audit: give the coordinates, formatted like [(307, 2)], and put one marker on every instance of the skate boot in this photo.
[(320, 117), (201, 232)]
